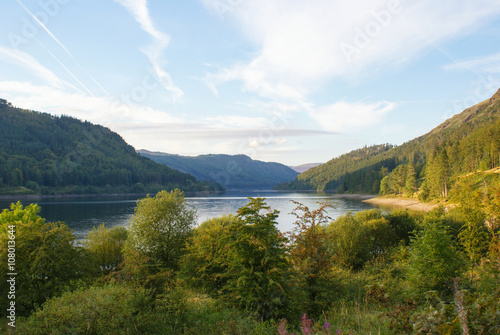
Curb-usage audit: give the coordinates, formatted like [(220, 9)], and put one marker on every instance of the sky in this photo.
[(288, 81)]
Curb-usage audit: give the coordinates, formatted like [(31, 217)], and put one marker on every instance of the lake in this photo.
[(83, 213)]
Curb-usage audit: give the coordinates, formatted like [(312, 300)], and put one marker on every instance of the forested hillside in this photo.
[(231, 171), (466, 143), (45, 154)]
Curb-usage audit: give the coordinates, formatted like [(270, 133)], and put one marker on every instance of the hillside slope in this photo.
[(232, 171), (466, 142), (44, 154)]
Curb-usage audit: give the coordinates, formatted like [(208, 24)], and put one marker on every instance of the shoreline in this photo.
[(86, 195), (412, 204)]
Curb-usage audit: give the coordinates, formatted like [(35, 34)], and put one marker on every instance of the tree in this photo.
[(106, 246), (473, 235), (311, 257), (259, 267), (434, 260), (206, 263), (349, 241), (46, 258), (411, 180), (385, 186), (160, 227)]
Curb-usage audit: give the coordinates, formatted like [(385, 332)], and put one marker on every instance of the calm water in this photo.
[(82, 214)]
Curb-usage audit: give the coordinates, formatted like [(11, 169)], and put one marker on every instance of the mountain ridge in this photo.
[(231, 171), (460, 139)]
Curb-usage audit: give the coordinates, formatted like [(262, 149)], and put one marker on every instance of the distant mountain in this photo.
[(304, 167), (45, 154), (231, 171), (467, 142)]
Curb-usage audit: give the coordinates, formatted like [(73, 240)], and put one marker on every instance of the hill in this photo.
[(304, 167), (231, 171), (45, 154), (467, 142)]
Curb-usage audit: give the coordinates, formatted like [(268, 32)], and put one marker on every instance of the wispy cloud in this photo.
[(342, 116), (20, 58), (488, 64), (139, 10), (301, 45), (105, 111)]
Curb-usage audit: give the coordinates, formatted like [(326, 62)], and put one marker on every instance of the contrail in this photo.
[(64, 67), (64, 48)]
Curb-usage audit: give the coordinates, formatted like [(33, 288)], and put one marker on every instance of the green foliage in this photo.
[(259, 269), (111, 309), (311, 257), (356, 239), (434, 260), (206, 263), (354, 172), (46, 259), (239, 273), (160, 227), (348, 242), (403, 223), (49, 154), (242, 259), (106, 246)]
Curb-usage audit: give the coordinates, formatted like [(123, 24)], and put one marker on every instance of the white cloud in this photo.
[(300, 45), (105, 111), (236, 121), (23, 59), (488, 64), (140, 12), (344, 116)]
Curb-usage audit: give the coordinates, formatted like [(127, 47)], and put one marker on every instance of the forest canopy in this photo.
[(46, 154)]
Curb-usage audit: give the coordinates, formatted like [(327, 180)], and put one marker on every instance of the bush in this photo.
[(106, 246), (111, 309), (206, 262), (47, 259)]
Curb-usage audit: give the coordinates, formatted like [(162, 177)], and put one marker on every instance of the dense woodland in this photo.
[(428, 166), (232, 171), (370, 272), (45, 154)]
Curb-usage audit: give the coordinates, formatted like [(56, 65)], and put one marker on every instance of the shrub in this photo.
[(106, 246), (111, 309)]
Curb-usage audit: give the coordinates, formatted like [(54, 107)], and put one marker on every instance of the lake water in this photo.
[(83, 213)]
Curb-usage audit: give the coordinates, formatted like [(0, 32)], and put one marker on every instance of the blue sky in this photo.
[(285, 80)]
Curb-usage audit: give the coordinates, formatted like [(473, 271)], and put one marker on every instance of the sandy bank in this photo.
[(401, 203)]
